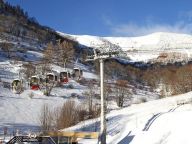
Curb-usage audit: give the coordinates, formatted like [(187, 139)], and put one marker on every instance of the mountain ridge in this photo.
[(146, 48)]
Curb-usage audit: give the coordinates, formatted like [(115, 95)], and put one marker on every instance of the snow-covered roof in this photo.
[(77, 68), (51, 73)]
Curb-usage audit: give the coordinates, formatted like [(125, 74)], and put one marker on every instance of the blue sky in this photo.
[(111, 17)]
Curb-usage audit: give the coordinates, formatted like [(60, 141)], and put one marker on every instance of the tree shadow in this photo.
[(9, 97)]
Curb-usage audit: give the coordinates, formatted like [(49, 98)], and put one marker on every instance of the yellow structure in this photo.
[(72, 137)]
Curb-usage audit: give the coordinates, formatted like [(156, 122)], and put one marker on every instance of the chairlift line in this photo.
[(35, 82)]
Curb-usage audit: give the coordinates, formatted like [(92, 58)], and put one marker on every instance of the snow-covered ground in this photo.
[(164, 121), (21, 111), (156, 121)]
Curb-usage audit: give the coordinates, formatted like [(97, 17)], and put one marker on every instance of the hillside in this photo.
[(20, 33), (156, 47), (160, 121), (29, 54), (46, 84)]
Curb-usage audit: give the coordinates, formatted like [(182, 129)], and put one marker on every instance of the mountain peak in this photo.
[(144, 48)]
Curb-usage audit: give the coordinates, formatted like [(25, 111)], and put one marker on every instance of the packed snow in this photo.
[(166, 121), (157, 121)]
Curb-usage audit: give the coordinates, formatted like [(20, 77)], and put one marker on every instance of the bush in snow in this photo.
[(67, 115), (46, 118), (75, 95), (143, 99), (122, 92), (89, 98)]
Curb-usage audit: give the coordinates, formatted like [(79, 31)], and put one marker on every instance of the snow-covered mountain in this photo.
[(155, 47)]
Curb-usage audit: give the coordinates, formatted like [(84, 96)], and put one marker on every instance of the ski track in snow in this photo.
[(135, 124)]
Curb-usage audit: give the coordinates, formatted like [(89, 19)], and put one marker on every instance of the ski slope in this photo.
[(168, 128), (166, 121)]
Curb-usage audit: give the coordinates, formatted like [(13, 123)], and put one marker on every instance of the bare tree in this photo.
[(46, 118), (28, 70), (48, 87), (107, 93), (62, 117), (48, 58), (7, 48), (68, 115), (89, 95), (65, 52), (122, 92)]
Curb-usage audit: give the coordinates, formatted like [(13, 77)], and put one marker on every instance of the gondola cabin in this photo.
[(17, 86), (64, 77), (34, 82), (77, 73), (51, 77)]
